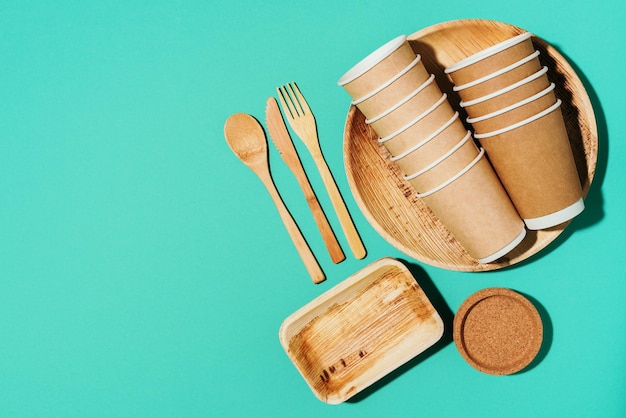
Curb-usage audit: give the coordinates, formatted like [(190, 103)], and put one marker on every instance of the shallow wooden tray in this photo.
[(389, 203), (360, 330)]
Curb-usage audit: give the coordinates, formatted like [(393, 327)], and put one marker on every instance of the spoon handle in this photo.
[(310, 262)]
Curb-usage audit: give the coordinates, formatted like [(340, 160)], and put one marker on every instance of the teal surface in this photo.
[(144, 271)]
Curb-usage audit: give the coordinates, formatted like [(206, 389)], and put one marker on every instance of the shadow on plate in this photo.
[(594, 201), (447, 316)]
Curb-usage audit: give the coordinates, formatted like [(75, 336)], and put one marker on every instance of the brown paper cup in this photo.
[(421, 127), (535, 164), (405, 110), (491, 59), (378, 67), (507, 96), (426, 151), (477, 211), (500, 79), (446, 166), (387, 94), (515, 113)]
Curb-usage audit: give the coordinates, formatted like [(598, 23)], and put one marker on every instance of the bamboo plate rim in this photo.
[(398, 323), (390, 204)]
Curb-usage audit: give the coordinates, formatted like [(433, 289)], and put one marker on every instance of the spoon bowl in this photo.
[(246, 138)]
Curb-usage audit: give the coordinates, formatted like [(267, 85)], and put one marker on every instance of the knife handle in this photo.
[(330, 240)]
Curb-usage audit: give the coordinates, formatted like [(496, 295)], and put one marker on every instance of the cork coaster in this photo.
[(498, 331)]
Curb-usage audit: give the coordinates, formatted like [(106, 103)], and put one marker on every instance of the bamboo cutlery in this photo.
[(302, 121), (282, 141), (247, 140)]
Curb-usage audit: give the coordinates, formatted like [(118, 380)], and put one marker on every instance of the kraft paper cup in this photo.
[(392, 91), (445, 166), (402, 112), (491, 59), (507, 96), (534, 161), (515, 113), (378, 67), (500, 79), (477, 211), (425, 151), (419, 128)]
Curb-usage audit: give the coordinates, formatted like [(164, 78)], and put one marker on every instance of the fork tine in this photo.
[(303, 103), (292, 97), (285, 102), (302, 122)]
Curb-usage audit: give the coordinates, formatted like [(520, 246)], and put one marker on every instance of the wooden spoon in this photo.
[(246, 138)]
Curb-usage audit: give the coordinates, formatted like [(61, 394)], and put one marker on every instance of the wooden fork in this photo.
[(302, 121)]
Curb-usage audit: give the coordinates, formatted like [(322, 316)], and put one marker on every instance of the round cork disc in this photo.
[(498, 331)]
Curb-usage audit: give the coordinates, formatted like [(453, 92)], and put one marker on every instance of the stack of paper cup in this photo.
[(414, 120), (517, 118)]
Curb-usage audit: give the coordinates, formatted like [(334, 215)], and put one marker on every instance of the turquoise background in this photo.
[(144, 271)]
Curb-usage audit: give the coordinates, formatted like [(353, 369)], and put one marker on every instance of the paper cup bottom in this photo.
[(556, 218)]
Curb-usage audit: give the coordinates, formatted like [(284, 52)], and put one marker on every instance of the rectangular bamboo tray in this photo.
[(360, 330)]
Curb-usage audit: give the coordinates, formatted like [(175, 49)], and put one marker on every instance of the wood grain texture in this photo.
[(282, 140), (389, 203), (360, 330), (246, 139), (302, 121)]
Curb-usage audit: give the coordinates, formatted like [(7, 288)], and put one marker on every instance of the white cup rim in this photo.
[(505, 250), (506, 89), (487, 52), (456, 176), (402, 101), (513, 106), (497, 73), (439, 160), (388, 82), (520, 123), (372, 59), (556, 218), (427, 139), (417, 119)]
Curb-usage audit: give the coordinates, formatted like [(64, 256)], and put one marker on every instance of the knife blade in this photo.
[(282, 140)]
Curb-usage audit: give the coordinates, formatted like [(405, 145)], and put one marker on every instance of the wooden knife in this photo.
[(282, 140)]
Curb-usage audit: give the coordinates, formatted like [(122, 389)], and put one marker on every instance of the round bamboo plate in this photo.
[(389, 203)]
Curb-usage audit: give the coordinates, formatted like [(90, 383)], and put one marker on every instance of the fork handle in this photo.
[(309, 260), (347, 225), (330, 240)]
